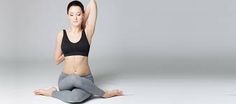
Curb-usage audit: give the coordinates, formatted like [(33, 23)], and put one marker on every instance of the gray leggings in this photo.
[(74, 88)]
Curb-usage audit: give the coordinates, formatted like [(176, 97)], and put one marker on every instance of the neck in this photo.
[(75, 29)]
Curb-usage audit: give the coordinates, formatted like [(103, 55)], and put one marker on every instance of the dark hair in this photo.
[(75, 3)]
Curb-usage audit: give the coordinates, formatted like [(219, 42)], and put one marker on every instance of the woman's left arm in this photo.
[(90, 18)]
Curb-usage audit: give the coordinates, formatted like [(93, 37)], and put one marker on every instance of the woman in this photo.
[(76, 82)]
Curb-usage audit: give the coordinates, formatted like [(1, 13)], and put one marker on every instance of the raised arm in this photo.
[(58, 55), (90, 18)]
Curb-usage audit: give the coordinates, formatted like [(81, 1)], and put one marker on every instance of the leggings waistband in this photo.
[(65, 74), (89, 76)]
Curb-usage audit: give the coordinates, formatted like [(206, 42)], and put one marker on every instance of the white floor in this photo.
[(154, 88)]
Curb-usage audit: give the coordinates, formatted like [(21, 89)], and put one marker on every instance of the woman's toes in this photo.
[(119, 93), (38, 91), (45, 92), (113, 93)]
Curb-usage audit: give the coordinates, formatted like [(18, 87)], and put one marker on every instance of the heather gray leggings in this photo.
[(74, 88)]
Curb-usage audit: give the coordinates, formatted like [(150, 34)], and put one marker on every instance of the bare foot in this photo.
[(112, 93), (45, 92)]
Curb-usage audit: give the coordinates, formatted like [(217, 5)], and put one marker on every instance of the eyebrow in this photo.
[(73, 12)]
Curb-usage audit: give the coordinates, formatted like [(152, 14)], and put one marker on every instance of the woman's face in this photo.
[(75, 16)]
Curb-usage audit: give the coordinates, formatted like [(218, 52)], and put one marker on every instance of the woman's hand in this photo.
[(60, 59)]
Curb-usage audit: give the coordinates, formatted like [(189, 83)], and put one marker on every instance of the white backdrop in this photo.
[(178, 50), (129, 33)]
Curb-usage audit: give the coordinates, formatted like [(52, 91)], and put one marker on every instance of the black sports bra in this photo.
[(79, 48)]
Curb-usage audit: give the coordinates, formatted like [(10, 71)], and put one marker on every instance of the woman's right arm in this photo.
[(58, 55)]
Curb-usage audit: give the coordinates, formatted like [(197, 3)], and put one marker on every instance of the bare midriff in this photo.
[(76, 64)]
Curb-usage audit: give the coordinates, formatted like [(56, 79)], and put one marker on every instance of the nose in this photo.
[(75, 17)]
